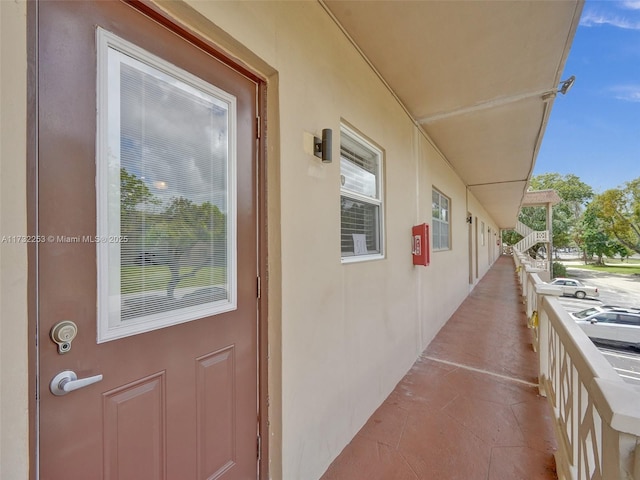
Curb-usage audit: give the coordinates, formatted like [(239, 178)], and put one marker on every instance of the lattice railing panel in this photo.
[(590, 439), (532, 239), (579, 421), (562, 383), (592, 405)]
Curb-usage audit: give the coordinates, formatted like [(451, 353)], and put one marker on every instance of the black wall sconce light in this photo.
[(469, 219), (322, 146)]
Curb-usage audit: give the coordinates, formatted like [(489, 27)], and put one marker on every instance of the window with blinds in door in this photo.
[(166, 193), (361, 204)]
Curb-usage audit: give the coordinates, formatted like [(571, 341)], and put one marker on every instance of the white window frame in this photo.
[(376, 200), (109, 325), (436, 247)]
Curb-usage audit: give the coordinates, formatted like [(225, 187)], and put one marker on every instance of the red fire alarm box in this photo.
[(420, 244)]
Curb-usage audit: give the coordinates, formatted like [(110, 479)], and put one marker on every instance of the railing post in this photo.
[(543, 336), (543, 349), (619, 454), (531, 295), (523, 274)]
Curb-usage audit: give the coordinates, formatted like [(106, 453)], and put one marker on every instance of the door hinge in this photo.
[(259, 447), (258, 126), (259, 287)]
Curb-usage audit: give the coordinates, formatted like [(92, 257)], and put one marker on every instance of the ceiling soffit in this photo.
[(478, 77), (492, 142)]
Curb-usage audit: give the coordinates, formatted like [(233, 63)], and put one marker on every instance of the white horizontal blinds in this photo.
[(435, 215), (359, 171), (360, 201), (168, 197), (444, 215), (440, 218), (173, 153)]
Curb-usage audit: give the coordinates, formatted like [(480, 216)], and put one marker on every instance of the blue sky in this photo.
[(594, 130)]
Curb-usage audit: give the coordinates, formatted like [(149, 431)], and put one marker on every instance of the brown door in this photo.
[(147, 225)]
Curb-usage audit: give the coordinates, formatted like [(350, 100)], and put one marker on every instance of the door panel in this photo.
[(215, 419), (135, 407), (177, 402)]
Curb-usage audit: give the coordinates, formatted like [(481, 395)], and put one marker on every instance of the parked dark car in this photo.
[(148, 258)]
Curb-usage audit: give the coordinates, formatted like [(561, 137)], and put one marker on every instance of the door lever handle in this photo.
[(68, 381)]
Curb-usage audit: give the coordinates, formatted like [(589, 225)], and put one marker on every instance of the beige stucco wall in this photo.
[(346, 333), (14, 449), (341, 335)]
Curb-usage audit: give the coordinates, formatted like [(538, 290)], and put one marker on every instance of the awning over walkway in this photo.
[(478, 77)]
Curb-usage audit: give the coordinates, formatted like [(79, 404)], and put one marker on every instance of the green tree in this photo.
[(574, 194), (136, 202), (624, 252), (188, 235), (593, 239), (619, 212), (133, 192), (510, 237)]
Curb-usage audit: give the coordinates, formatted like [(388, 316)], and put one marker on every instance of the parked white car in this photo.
[(575, 288), (618, 326)]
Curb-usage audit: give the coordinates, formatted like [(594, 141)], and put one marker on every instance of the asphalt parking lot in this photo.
[(613, 289)]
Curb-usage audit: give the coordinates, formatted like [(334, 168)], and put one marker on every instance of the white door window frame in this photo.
[(112, 53)]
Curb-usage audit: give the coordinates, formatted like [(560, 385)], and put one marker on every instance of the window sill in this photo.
[(361, 258)]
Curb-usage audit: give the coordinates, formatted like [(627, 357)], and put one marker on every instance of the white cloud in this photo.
[(594, 19), (631, 4), (621, 14), (627, 93)]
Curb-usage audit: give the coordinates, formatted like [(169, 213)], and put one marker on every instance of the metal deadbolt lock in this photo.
[(63, 334)]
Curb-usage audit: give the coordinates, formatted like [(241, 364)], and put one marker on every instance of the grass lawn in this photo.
[(610, 266), (147, 278)]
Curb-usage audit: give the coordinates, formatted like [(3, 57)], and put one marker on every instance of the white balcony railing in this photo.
[(596, 413), (523, 229), (532, 239)]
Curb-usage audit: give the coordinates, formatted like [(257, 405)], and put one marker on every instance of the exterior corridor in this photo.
[(469, 407)]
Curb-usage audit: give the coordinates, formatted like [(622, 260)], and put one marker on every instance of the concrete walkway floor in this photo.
[(469, 407)]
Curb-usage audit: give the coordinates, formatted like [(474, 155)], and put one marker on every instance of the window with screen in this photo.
[(361, 212), (440, 208)]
